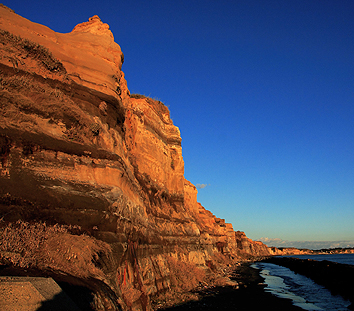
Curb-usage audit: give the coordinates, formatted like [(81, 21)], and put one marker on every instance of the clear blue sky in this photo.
[(263, 94)]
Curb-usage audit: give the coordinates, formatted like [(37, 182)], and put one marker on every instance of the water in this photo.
[(339, 258), (303, 292)]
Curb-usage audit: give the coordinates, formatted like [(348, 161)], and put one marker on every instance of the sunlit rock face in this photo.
[(77, 149), (256, 248)]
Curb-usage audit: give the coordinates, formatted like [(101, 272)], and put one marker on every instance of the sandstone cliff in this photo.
[(92, 187)]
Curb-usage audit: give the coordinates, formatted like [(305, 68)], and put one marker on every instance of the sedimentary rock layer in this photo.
[(95, 175)]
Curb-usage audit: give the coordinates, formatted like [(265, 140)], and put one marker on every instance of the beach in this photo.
[(249, 296), (336, 277), (251, 293)]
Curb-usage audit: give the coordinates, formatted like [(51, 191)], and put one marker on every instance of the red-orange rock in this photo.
[(76, 149)]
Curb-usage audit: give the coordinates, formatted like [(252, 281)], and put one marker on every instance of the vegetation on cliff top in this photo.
[(30, 48)]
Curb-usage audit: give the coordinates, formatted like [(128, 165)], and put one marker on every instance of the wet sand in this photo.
[(337, 278), (249, 296)]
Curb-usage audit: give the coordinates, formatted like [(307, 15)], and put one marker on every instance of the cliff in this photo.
[(92, 187), (283, 251)]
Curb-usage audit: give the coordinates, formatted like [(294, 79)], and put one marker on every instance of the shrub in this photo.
[(35, 50), (138, 96), (183, 275), (38, 245), (7, 8)]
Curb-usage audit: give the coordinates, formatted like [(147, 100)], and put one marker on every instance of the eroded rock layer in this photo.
[(92, 186)]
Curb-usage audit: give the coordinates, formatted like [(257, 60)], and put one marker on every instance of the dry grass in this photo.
[(46, 247), (184, 278), (155, 103), (7, 8), (183, 275), (27, 85), (23, 95), (34, 50), (138, 96)]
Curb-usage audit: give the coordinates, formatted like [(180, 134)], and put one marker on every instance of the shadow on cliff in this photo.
[(75, 298), (61, 302)]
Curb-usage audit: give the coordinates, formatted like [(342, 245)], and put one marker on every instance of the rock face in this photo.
[(283, 251), (255, 248), (96, 175)]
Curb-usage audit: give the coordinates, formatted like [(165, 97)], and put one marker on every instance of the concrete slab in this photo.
[(33, 294)]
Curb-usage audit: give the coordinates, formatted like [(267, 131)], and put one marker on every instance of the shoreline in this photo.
[(336, 277), (250, 295)]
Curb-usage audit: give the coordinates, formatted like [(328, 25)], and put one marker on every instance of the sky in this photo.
[(263, 94)]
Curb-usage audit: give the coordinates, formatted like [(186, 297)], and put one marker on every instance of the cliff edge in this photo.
[(92, 187)]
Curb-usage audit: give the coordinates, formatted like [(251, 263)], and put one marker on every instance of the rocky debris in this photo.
[(79, 152), (249, 295)]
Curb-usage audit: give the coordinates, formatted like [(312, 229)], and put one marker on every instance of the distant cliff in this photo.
[(92, 187)]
